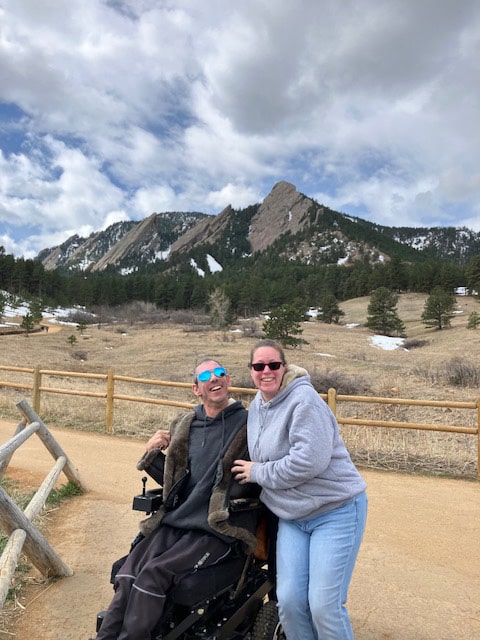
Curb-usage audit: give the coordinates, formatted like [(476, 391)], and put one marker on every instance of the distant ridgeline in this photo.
[(287, 249)]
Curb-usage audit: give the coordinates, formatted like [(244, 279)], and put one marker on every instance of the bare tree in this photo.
[(219, 309)]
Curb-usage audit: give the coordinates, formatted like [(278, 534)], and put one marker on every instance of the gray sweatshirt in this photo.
[(301, 462)]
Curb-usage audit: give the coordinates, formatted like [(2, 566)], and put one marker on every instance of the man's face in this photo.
[(213, 392)]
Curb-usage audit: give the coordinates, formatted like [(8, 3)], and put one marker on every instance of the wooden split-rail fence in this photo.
[(17, 524), (109, 381)]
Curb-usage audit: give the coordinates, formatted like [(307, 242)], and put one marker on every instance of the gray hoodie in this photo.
[(301, 462)]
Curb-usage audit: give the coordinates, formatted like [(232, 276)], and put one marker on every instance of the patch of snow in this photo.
[(325, 355), (387, 342), (162, 255), (213, 265), (200, 272)]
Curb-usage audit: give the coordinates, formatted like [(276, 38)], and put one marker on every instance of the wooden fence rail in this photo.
[(23, 535), (109, 394)]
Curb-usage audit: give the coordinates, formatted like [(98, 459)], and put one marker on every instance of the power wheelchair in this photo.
[(232, 601)]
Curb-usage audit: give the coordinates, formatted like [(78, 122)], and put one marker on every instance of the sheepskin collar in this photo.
[(176, 467), (292, 371)]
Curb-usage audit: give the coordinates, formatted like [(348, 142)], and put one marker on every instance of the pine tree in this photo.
[(438, 309), (382, 313), (36, 310), (3, 302), (473, 320), (284, 325), (472, 272), (27, 323), (330, 311)]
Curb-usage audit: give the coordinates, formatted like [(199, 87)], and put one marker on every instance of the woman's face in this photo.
[(268, 381)]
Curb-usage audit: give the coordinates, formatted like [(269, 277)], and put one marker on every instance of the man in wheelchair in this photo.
[(206, 517)]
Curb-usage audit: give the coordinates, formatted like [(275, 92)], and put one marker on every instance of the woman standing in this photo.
[(309, 481)]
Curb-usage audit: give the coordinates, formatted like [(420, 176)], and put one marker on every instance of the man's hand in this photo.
[(159, 440), (241, 470)]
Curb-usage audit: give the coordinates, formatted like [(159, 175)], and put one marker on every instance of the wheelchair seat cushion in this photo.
[(206, 583)]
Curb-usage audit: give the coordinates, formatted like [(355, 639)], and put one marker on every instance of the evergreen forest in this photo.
[(252, 284)]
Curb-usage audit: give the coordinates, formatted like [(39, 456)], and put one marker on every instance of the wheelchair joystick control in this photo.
[(148, 501)]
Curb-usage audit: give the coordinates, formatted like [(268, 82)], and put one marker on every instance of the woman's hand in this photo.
[(159, 440), (241, 470)]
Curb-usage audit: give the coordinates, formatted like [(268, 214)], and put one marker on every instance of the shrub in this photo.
[(80, 355), (343, 383), (414, 343), (473, 320), (457, 372), (81, 317), (462, 373)]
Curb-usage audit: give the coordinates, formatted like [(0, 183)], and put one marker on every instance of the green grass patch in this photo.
[(63, 492), (22, 498)]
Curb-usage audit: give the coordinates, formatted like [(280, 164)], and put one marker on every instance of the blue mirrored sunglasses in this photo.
[(205, 376)]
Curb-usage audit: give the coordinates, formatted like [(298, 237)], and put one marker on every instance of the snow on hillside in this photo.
[(17, 308)]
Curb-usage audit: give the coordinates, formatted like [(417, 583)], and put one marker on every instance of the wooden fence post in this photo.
[(36, 547), (37, 382), (478, 438), (332, 400), (50, 443), (109, 407), (6, 461)]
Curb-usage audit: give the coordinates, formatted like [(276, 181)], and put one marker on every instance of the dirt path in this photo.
[(417, 577)]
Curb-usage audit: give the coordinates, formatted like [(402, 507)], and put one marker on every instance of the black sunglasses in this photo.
[(260, 366)]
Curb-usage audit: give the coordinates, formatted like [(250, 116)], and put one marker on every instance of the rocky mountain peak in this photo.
[(283, 210), (207, 230), (136, 239)]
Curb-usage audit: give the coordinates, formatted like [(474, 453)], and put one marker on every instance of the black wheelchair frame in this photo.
[(233, 601)]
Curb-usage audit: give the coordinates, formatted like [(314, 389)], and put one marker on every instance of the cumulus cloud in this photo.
[(114, 109)]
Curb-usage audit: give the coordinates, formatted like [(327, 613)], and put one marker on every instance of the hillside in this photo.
[(421, 562)]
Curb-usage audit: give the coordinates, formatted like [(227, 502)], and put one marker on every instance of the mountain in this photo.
[(287, 223), (123, 246)]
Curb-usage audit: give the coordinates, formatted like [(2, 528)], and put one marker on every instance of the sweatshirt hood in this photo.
[(203, 421), (232, 406)]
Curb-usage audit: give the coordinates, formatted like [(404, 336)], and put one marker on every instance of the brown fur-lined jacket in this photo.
[(226, 513)]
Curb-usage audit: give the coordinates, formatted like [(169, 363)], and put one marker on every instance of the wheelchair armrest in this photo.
[(244, 504)]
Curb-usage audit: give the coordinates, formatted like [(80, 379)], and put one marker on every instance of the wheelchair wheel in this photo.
[(267, 625)]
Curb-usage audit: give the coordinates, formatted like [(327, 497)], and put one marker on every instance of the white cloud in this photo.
[(114, 109), (155, 199), (238, 195)]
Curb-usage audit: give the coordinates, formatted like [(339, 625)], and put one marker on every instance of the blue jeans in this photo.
[(315, 561)]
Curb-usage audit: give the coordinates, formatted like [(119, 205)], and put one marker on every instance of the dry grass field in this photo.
[(341, 354), (416, 577)]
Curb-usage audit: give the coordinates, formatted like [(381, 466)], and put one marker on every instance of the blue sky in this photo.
[(112, 110)]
